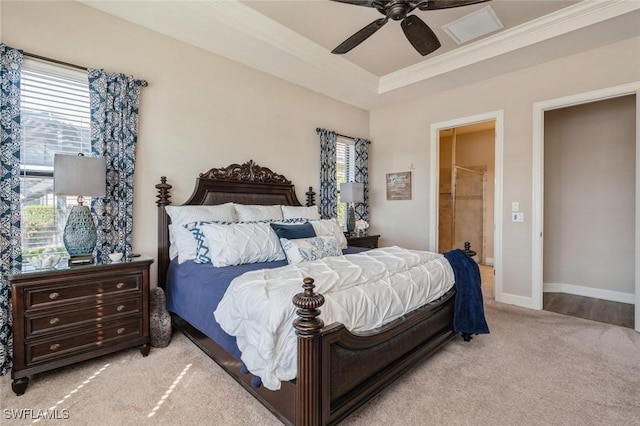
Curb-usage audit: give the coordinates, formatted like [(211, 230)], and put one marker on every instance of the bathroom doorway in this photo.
[(466, 193), (471, 153)]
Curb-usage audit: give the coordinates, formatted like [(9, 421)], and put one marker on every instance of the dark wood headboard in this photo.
[(246, 183)]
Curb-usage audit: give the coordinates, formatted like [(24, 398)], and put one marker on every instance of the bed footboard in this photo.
[(339, 371)]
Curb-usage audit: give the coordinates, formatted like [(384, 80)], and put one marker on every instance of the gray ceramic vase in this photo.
[(160, 320)]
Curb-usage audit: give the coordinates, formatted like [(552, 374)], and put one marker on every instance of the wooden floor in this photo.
[(615, 313)]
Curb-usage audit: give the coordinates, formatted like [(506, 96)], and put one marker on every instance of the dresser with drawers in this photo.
[(63, 316)]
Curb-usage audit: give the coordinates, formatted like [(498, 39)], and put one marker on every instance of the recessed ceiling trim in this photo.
[(264, 29), (240, 33), (552, 25)]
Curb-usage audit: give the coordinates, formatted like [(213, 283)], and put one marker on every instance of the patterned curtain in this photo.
[(10, 250), (362, 175), (328, 186), (114, 132)]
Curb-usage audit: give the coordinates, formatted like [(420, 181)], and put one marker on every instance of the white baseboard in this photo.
[(488, 261), (597, 293)]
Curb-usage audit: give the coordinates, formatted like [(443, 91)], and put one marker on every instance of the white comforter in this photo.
[(362, 291)]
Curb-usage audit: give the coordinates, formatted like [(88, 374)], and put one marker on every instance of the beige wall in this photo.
[(199, 111), (589, 195), (401, 135)]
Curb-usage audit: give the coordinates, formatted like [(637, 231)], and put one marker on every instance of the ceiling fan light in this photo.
[(476, 24)]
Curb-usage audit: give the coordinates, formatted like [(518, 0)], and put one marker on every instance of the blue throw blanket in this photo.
[(468, 314)]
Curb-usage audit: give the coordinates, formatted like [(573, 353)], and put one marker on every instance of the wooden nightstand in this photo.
[(67, 315), (369, 241)]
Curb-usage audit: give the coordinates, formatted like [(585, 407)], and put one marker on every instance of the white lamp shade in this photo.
[(79, 175), (352, 192)]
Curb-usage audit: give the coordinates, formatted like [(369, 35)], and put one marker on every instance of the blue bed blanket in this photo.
[(468, 313)]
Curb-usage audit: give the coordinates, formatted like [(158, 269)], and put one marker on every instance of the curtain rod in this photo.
[(338, 134), (143, 83), (345, 136)]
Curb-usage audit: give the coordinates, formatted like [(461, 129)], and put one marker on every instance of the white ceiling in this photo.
[(292, 39)]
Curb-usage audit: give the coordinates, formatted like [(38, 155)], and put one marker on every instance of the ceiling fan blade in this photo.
[(446, 4), (359, 36), (421, 37), (367, 3)]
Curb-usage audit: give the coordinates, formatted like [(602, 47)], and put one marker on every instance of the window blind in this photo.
[(54, 118), (55, 115)]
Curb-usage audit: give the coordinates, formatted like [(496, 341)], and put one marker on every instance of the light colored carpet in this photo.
[(535, 368)]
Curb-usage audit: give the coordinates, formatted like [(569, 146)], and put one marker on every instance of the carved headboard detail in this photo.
[(247, 172)]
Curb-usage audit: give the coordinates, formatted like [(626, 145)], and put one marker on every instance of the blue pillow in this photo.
[(294, 232)]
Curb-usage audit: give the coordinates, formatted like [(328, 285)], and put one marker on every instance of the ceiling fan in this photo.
[(421, 37)]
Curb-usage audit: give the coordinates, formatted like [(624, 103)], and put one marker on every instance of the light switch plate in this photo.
[(515, 206), (517, 217)]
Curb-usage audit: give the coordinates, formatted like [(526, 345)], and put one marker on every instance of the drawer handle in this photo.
[(54, 321), (120, 285), (55, 346), (120, 330), (120, 308), (54, 295)]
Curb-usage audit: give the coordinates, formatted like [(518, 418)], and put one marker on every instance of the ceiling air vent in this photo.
[(476, 24)]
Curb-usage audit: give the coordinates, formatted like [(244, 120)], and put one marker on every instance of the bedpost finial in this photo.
[(308, 324), (163, 192), (311, 197)]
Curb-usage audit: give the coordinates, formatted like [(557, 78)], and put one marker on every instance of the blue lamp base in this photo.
[(351, 219), (80, 235)]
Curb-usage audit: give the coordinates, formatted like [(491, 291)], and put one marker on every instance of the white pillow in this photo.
[(330, 227), (240, 243), (182, 243), (308, 249), (185, 214), (254, 213), (293, 212)]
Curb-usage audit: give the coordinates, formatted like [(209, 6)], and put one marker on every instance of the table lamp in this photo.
[(80, 176), (350, 193)]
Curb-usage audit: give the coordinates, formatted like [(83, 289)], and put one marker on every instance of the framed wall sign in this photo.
[(399, 186)]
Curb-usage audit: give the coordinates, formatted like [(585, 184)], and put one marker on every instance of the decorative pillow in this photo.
[(239, 243), (330, 227), (182, 243), (186, 214), (292, 212), (253, 213), (293, 232), (294, 220), (201, 250), (308, 249)]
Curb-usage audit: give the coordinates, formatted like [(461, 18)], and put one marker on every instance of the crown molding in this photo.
[(552, 25), (261, 28), (240, 33)]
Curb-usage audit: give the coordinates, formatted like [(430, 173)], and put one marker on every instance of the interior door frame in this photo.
[(537, 239), (498, 118)]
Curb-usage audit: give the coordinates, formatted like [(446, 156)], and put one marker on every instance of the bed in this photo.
[(337, 371)]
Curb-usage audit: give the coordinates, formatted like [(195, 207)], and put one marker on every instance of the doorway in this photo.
[(589, 199), (466, 192), (542, 241), (465, 211)]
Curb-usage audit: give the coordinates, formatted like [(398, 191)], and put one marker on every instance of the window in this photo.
[(345, 170), (54, 118)]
